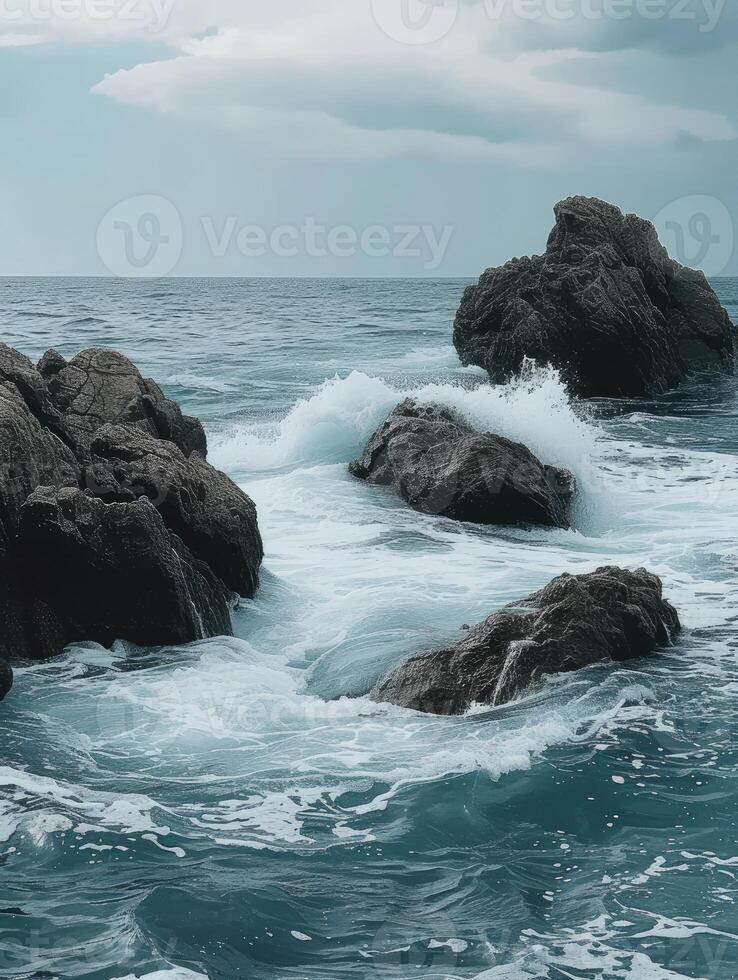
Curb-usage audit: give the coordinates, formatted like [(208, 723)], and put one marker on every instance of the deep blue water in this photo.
[(236, 809)]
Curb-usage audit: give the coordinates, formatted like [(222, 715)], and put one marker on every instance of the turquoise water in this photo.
[(237, 808)]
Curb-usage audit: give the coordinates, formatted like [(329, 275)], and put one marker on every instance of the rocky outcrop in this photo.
[(605, 304), (102, 386), (440, 465), (576, 621), (109, 530)]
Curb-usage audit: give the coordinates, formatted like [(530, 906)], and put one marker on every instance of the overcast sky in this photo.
[(356, 137)]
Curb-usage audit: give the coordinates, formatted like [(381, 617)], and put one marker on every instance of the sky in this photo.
[(357, 137)]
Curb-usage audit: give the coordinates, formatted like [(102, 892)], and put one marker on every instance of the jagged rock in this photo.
[(84, 552), (609, 615), (100, 386), (51, 364), (605, 305), (440, 465), (30, 455), (214, 517), (112, 571), (16, 369)]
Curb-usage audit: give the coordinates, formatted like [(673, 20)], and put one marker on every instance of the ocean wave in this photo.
[(334, 423), (346, 759)]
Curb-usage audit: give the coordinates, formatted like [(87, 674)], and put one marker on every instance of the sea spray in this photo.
[(333, 424)]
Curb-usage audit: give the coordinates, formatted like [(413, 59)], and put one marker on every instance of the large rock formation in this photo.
[(112, 523), (605, 305), (609, 615), (440, 465)]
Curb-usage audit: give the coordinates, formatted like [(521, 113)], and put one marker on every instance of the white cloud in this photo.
[(321, 77)]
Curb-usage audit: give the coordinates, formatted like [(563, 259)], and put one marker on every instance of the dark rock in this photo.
[(51, 364), (605, 305), (29, 628), (576, 621), (113, 571), (214, 517), (16, 369), (111, 531), (6, 678), (30, 456), (100, 386), (441, 465)]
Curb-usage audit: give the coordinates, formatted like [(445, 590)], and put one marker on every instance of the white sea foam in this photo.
[(333, 424), (240, 710), (175, 973)]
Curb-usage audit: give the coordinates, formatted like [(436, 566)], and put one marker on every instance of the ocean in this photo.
[(239, 808)]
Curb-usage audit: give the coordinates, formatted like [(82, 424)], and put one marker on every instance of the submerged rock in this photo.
[(576, 621), (605, 304), (440, 465), (109, 531)]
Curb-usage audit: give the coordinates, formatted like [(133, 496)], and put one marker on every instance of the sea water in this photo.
[(239, 808)]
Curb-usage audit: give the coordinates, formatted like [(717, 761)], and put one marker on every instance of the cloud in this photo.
[(675, 27), (329, 78)]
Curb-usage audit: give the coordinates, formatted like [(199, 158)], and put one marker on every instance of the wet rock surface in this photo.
[(605, 304), (576, 621), (441, 465)]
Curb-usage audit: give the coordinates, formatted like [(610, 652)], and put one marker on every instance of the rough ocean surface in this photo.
[(442, 465), (604, 304), (608, 616), (232, 808)]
